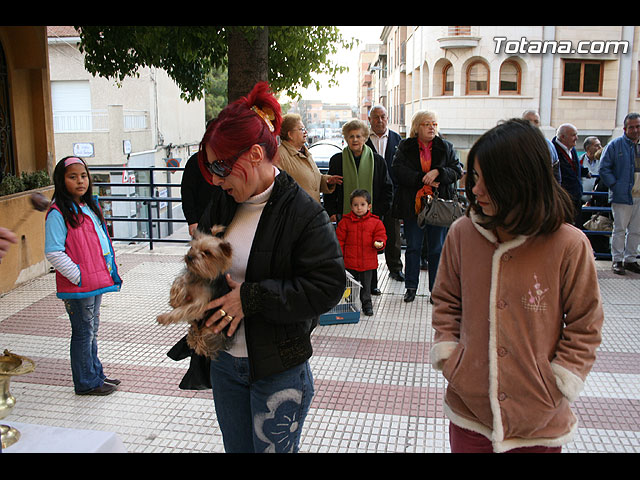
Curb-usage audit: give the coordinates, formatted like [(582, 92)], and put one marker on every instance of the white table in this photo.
[(46, 439)]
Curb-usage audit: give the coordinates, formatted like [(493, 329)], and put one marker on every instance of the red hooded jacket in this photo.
[(356, 236)]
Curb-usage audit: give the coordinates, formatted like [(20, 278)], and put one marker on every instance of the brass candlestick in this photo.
[(10, 365)]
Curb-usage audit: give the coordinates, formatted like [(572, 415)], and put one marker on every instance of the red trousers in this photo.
[(466, 441)]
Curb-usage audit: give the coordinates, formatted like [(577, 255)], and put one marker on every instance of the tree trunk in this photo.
[(248, 60)]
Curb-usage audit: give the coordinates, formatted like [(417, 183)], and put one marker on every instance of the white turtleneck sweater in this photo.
[(240, 234)]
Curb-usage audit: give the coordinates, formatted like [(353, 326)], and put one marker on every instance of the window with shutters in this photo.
[(71, 102), (510, 78), (478, 79)]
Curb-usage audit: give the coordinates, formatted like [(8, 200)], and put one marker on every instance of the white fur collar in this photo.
[(492, 237)]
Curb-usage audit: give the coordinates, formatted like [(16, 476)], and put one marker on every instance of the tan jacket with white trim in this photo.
[(517, 325)]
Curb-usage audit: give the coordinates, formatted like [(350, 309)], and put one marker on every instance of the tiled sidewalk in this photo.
[(375, 389)]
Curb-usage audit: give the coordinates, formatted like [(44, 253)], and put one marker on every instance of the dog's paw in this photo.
[(164, 319)]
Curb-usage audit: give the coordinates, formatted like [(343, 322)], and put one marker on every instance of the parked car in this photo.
[(322, 153)]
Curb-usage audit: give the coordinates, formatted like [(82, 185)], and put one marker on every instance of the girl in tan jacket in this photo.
[(517, 308)]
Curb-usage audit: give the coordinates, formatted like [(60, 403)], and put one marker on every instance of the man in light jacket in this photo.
[(620, 171)]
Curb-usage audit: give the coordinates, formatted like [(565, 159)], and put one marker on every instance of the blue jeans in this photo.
[(435, 240), (263, 416), (86, 368)]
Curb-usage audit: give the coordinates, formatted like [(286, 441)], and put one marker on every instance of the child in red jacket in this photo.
[(361, 234)]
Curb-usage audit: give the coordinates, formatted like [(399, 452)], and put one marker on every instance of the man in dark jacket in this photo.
[(570, 169), (385, 142)]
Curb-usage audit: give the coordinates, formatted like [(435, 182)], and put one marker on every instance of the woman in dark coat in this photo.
[(424, 163)]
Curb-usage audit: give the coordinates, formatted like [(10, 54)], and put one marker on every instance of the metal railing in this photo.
[(590, 233), (148, 200)]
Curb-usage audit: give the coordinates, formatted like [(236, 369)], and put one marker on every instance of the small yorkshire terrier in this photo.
[(207, 261)]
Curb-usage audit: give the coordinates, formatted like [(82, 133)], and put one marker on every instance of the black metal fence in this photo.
[(593, 233), (151, 204)]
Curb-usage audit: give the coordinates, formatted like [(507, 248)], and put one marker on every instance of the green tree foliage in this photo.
[(189, 53), (215, 92)]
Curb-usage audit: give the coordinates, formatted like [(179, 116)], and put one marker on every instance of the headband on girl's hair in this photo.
[(72, 160), (267, 115)]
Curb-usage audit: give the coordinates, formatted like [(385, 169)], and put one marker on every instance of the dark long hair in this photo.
[(516, 167), (71, 211)]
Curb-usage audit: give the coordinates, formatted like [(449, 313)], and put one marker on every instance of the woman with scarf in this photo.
[(360, 168)]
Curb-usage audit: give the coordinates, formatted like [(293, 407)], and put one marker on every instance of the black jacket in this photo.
[(295, 273), (194, 190), (571, 175), (382, 187), (408, 173), (390, 151)]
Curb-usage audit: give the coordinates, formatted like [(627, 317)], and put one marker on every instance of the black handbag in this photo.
[(439, 212)]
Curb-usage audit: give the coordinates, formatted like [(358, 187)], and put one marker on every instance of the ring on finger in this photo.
[(229, 317), (223, 313)]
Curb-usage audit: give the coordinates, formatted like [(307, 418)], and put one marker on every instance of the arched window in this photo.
[(478, 79), (510, 78), (447, 80)]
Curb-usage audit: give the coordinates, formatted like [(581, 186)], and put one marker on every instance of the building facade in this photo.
[(139, 122), (475, 76)]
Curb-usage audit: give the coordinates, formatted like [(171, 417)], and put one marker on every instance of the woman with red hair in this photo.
[(287, 270)]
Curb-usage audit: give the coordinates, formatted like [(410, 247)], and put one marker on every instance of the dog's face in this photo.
[(209, 256)]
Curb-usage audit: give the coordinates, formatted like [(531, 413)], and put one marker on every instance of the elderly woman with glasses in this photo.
[(287, 270), (360, 168), (424, 163), (295, 158)]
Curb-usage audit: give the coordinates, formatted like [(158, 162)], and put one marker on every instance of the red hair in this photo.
[(239, 126)]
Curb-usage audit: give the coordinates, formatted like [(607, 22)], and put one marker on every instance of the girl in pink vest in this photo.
[(78, 246)]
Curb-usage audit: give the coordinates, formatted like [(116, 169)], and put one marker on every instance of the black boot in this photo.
[(410, 295)]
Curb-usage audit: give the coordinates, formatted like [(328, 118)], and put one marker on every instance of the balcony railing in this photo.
[(454, 31), (459, 37), (97, 121), (80, 121)]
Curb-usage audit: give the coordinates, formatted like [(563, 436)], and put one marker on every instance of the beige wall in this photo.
[(170, 119), (24, 260)]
